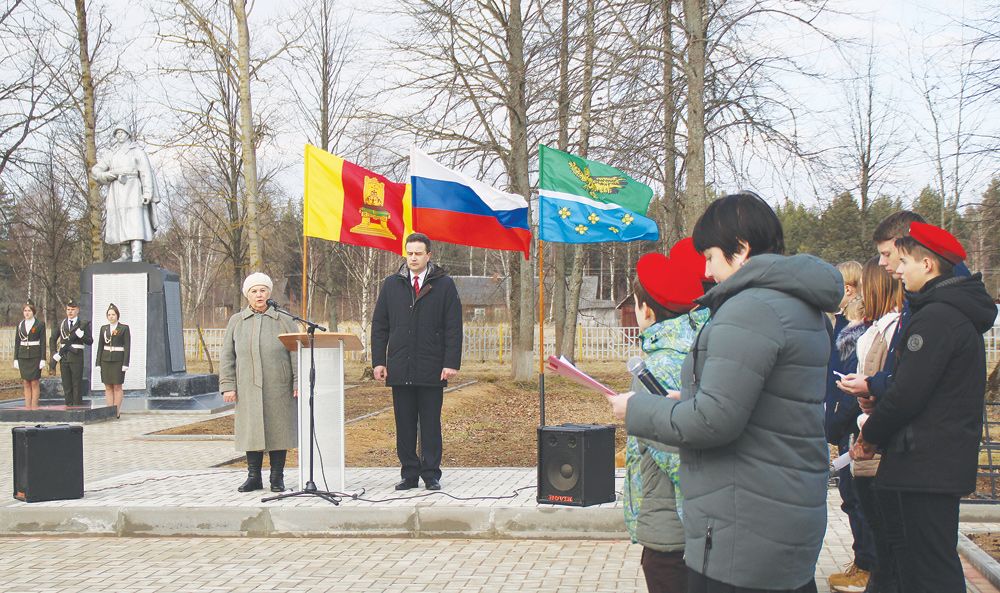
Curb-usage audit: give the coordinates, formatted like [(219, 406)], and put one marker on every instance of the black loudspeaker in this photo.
[(576, 464), (48, 462)]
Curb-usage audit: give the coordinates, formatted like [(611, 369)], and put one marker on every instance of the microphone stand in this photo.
[(310, 489)]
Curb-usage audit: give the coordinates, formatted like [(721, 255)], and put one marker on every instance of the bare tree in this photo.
[(326, 96), (470, 72), (216, 126), (875, 141), (29, 93), (45, 240)]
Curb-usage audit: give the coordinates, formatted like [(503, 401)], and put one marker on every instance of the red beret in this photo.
[(938, 240), (669, 282), (684, 252)]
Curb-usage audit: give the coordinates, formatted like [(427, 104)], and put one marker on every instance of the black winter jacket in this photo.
[(930, 420), (415, 336)]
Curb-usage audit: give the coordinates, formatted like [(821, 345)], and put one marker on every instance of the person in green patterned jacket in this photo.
[(664, 291)]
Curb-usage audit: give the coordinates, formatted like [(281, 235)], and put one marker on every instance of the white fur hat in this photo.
[(257, 279)]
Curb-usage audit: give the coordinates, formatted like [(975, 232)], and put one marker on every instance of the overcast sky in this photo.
[(903, 33)]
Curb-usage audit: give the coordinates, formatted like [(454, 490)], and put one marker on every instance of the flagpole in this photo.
[(305, 281), (541, 330)]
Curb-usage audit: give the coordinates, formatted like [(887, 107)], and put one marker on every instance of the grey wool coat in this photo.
[(749, 424), (258, 367)]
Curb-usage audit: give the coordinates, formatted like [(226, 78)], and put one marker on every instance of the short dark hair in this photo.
[(418, 238), (660, 312), (911, 246), (895, 225), (739, 218)]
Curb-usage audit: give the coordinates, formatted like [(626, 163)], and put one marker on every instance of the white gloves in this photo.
[(56, 357), (41, 364), (16, 365), (124, 368), (79, 333)]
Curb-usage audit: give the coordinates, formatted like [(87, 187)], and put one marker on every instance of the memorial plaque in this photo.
[(128, 293)]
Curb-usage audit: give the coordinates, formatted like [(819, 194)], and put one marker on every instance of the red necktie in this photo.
[(416, 285)]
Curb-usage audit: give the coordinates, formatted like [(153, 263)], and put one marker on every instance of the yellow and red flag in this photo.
[(350, 204)]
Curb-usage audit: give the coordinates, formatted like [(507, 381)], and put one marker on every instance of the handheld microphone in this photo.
[(273, 303), (637, 367)]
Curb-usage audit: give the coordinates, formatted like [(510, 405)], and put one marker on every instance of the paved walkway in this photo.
[(162, 488)]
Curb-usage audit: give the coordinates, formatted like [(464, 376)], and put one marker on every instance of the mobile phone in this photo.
[(839, 374)]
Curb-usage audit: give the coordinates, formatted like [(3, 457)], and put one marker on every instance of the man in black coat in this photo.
[(416, 348), (68, 345)]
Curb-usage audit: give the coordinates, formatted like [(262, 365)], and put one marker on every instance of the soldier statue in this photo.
[(132, 195)]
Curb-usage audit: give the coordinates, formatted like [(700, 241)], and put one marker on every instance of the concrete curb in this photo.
[(979, 559), (184, 437), (332, 521), (979, 513)]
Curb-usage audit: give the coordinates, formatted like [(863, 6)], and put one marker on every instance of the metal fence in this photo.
[(482, 343)]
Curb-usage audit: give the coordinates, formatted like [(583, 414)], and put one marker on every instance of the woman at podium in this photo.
[(114, 347), (257, 373), (29, 353)]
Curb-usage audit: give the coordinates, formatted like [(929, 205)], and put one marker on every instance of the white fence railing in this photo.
[(483, 343)]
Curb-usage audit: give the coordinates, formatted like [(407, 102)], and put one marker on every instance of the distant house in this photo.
[(595, 311), (484, 298), (627, 307)]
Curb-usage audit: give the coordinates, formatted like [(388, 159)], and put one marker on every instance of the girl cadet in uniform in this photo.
[(29, 353), (114, 345)]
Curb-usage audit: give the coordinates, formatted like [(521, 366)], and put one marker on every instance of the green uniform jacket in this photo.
[(114, 347), (31, 343)]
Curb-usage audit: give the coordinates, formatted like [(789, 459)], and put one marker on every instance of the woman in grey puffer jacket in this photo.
[(749, 423)]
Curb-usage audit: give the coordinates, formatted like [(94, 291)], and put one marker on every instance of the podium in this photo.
[(328, 406)]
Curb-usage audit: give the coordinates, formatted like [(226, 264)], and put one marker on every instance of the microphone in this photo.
[(637, 367), (273, 303)]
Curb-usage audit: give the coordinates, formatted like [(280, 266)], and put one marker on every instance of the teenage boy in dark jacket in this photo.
[(416, 348), (929, 422)]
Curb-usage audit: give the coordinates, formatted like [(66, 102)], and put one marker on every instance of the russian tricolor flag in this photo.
[(452, 207)]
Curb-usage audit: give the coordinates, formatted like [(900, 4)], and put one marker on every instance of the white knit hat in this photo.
[(257, 279)]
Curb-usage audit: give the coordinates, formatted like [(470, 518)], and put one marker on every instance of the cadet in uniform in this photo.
[(68, 345), (29, 353)]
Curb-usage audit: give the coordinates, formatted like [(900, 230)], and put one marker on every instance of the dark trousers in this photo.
[(72, 382), (665, 572), (883, 573), (864, 543), (418, 406), (923, 532), (699, 583)]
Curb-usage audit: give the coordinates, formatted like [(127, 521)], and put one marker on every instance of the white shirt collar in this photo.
[(29, 322), (419, 276)]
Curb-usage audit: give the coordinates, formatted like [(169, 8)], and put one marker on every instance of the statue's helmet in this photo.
[(123, 128)]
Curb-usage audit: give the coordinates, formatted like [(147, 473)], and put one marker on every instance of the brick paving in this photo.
[(124, 471)]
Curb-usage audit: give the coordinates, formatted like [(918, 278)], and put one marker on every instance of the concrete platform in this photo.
[(473, 503), (51, 412), (159, 490)]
